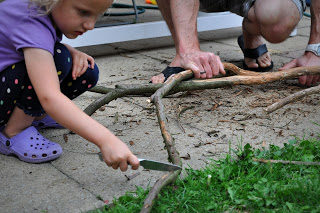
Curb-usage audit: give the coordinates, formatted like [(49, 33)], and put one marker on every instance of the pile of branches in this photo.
[(176, 84)]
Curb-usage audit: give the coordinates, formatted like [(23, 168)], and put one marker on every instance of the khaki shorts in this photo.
[(239, 7)]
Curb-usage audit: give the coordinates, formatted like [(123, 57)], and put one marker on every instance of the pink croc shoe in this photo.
[(30, 146), (46, 122)]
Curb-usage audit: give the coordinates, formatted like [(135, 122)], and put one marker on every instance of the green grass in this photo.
[(239, 184)]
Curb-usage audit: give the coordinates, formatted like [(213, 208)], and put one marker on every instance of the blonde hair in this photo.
[(46, 5)]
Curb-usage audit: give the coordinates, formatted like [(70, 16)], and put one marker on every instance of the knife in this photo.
[(154, 165)]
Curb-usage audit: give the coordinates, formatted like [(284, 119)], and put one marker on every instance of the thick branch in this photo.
[(292, 98), (101, 89), (168, 139), (213, 83), (110, 96), (237, 70), (160, 183)]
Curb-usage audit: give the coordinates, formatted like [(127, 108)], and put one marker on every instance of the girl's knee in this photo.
[(62, 59), (92, 75), (61, 52)]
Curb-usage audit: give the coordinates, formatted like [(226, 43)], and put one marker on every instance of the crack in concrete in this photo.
[(98, 197)]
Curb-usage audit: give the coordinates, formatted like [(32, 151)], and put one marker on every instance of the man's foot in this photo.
[(256, 55), (157, 79), (165, 74)]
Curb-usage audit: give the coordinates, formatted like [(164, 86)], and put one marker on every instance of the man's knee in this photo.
[(276, 33), (276, 18)]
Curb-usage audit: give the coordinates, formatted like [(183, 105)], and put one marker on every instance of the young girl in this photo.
[(40, 75)]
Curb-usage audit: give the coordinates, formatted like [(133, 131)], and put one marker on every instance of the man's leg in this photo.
[(181, 18), (309, 58), (191, 8), (273, 20), (165, 9)]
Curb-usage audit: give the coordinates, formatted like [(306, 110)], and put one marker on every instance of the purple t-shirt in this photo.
[(23, 26)]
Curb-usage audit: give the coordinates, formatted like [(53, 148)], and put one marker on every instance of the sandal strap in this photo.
[(168, 71), (255, 53), (252, 53)]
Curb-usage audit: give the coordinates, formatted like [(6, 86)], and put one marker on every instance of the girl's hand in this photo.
[(80, 63), (116, 154)]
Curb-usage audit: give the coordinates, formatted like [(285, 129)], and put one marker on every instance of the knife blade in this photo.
[(160, 166), (154, 165)]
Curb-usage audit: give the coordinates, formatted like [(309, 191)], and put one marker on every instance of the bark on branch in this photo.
[(250, 79), (292, 98), (168, 139)]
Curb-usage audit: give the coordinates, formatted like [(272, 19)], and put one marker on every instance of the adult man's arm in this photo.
[(309, 58)]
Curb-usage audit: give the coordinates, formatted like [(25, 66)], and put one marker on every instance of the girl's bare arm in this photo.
[(43, 76)]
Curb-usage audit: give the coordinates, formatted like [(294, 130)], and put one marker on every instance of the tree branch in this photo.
[(287, 162), (168, 139), (292, 98), (260, 78)]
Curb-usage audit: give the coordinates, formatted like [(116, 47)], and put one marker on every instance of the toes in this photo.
[(251, 63), (264, 60), (157, 79)]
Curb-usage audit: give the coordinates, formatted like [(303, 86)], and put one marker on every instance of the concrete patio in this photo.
[(78, 181)]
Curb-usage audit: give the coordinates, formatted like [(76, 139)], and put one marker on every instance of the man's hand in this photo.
[(203, 64), (307, 59)]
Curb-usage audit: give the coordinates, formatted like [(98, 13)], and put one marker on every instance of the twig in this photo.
[(287, 162), (130, 177), (292, 98), (180, 113), (168, 139)]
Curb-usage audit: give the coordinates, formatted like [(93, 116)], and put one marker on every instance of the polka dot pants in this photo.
[(16, 88)]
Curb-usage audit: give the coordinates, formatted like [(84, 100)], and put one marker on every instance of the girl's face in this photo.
[(75, 17)]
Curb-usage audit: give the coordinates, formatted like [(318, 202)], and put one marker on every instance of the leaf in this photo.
[(289, 205), (292, 141), (231, 193), (270, 202), (278, 153), (308, 157), (212, 206), (254, 198)]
